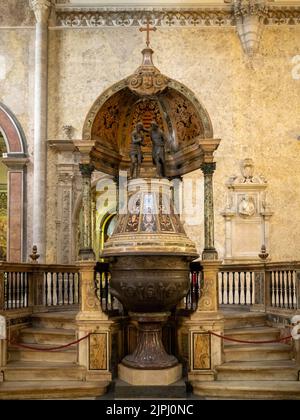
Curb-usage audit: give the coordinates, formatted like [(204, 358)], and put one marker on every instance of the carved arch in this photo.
[(15, 160), (12, 132), (117, 87)]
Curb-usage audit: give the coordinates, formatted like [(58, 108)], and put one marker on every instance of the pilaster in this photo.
[(16, 176), (95, 352), (205, 349)]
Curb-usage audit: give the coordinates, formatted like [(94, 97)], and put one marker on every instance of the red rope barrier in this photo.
[(24, 346), (250, 342)]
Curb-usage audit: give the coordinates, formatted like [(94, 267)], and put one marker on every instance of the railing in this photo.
[(273, 286), (16, 290), (236, 287), (109, 304), (61, 288), (192, 298), (24, 286), (284, 286)]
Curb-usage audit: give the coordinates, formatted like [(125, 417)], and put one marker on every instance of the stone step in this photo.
[(52, 336), (52, 390), (29, 371), (26, 355), (261, 352), (252, 390), (244, 319), (258, 371), (60, 320), (252, 334), (122, 390)]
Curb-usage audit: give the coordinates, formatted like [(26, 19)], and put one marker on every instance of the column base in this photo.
[(209, 254), (150, 377), (87, 255), (150, 353)]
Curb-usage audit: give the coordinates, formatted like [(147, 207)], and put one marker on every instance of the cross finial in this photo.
[(148, 29)]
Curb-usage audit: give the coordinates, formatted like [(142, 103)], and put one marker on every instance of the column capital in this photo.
[(208, 147), (208, 168), (86, 169), (84, 147), (41, 9)]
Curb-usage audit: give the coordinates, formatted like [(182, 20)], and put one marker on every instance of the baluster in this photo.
[(77, 276), (228, 287), (6, 291), (19, 289), (25, 292), (100, 276), (15, 291), (68, 289), (245, 287), (222, 288), (280, 289), (290, 295), (57, 288), (295, 292), (52, 289), (285, 289), (190, 303), (277, 289), (198, 287), (22, 300), (195, 282), (73, 289), (46, 289), (251, 288), (63, 287), (233, 288), (11, 279), (239, 288)]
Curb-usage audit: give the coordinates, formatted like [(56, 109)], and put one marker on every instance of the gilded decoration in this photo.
[(181, 119), (182, 112), (201, 351), (98, 351)]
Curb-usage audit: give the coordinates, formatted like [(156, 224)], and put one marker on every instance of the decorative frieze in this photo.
[(176, 17)]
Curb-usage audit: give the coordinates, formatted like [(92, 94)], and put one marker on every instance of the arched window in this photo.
[(12, 170)]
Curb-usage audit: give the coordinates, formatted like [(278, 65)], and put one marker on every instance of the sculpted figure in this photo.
[(158, 151), (136, 155)]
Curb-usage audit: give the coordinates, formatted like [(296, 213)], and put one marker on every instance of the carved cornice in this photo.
[(225, 16), (41, 9)]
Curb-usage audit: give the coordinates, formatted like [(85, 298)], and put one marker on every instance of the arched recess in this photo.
[(15, 160), (122, 85), (178, 112), (104, 204)]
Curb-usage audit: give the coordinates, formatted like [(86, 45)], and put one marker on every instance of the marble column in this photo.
[(42, 9), (209, 252), (86, 250)]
